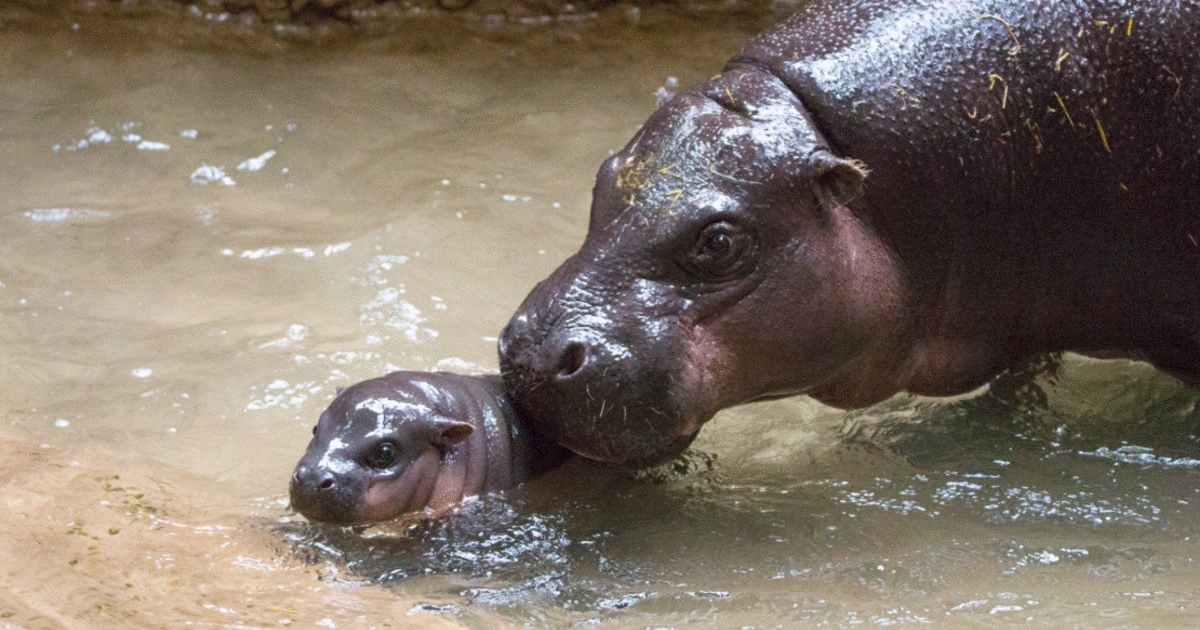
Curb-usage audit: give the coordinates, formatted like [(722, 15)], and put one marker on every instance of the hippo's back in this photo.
[(1010, 139)]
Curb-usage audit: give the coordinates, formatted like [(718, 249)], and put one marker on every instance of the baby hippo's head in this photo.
[(399, 444)]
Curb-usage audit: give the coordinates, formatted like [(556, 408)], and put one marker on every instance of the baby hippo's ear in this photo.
[(835, 178), (447, 432), (337, 391)]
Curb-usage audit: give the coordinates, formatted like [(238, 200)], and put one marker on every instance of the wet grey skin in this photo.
[(415, 443), (877, 196)]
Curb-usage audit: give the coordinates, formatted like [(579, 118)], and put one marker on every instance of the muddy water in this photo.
[(204, 235)]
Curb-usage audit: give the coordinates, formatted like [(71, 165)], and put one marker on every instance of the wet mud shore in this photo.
[(320, 19)]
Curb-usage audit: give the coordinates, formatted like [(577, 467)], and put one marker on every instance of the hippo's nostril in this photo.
[(326, 483), (571, 360)]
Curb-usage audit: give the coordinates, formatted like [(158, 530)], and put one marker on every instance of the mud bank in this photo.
[(358, 18)]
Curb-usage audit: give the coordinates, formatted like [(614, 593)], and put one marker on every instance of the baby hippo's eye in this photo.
[(382, 456)]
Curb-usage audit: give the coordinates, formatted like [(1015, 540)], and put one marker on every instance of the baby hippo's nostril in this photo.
[(571, 360), (326, 483)]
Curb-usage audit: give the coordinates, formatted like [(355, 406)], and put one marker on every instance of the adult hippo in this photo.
[(414, 443), (876, 196)]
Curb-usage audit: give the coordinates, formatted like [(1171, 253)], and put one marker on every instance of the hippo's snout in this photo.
[(307, 478), (562, 359), (587, 390), (317, 495), (550, 371)]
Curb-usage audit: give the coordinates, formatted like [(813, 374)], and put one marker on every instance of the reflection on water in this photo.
[(203, 238)]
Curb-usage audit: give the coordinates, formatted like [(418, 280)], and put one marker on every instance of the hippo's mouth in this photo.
[(632, 422), (667, 452), (613, 398), (632, 451)]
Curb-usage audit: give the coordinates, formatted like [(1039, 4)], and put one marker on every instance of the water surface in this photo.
[(205, 234)]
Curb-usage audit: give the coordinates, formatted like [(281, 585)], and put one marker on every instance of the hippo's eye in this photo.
[(382, 456), (719, 247)]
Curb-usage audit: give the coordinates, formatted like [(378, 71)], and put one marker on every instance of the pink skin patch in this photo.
[(701, 380), (432, 486), (451, 485), (386, 499)]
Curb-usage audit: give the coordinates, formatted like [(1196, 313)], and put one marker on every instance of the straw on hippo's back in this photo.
[(414, 443)]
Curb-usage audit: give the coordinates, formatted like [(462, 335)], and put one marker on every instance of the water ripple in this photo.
[(58, 215), (1141, 456)]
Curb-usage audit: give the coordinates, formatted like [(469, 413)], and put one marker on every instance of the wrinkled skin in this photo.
[(414, 443), (877, 196)]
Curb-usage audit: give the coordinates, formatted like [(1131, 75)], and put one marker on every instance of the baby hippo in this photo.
[(415, 443)]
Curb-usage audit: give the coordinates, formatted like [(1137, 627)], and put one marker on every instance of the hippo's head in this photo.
[(377, 451), (721, 265)]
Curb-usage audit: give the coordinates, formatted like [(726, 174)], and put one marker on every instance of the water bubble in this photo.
[(150, 145), (256, 163), (208, 173), (96, 135), (142, 372), (254, 254)]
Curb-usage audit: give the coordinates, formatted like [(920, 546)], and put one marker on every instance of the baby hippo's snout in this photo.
[(316, 494), (413, 443)]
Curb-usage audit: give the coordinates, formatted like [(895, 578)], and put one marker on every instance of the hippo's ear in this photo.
[(337, 391), (447, 432), (837, 179)]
